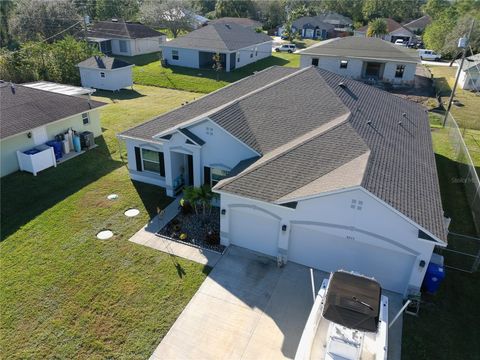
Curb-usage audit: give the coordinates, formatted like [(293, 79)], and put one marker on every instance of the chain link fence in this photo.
[(463, 252)]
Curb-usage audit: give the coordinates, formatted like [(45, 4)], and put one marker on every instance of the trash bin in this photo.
[(433, 277), (57, 148)]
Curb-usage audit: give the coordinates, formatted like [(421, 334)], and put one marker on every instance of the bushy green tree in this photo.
[(377, 27), (434, 8), (44, 61), (237, 8), (120, 9)]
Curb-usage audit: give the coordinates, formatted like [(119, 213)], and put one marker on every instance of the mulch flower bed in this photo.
[(195, 230)]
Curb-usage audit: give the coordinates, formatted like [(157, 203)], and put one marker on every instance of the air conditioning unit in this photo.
[(87, 140)]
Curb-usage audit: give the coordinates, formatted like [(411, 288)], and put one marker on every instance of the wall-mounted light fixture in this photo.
[(29, 134), (224, 211), (422, 263), (284, 227)]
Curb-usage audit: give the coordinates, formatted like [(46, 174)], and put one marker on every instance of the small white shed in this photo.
[(106, 73)]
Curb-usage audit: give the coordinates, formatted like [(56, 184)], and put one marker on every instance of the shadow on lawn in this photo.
[(24, 196), (153, 197), (124, 94), (231, 76)]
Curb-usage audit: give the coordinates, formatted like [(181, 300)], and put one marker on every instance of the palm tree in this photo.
[(377, 28), (204, 197), (190, 194)]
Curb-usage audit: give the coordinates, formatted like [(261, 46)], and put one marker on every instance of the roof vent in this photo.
[(12, 87), (369, 122), (404, 115), (400, 123), (227, 26), (342, 85)]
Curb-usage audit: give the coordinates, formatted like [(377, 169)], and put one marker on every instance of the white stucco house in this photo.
[(119, 37), (469, 78), (105, 73), (395, 31), (367, 59), (342, 177), (31, 116), (237, 45)]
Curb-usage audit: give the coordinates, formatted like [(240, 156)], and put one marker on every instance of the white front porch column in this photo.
[(168, 171), (197, 169), (227, 62)]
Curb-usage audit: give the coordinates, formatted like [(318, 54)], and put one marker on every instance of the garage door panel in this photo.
[(321, 250), (255, 230)]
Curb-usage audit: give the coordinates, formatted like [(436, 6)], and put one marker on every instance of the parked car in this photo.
[(290, 48), (429, 55), (400, 42)]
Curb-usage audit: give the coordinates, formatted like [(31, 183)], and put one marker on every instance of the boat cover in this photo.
[(353, 301)]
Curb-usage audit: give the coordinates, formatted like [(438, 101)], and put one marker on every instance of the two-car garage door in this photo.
[(311, 246), (316, 247)]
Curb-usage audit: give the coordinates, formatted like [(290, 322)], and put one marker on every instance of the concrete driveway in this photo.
[(247, 308)]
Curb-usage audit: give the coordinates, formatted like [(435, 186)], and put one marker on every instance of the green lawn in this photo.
[(446, 328), (148, 71), (64, 294)]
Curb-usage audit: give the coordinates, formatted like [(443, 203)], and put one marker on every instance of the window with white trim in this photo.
[(175, 55), (216, 175), (150, 161), (399, 71), (123, 45), (85, 119), (102, 74)]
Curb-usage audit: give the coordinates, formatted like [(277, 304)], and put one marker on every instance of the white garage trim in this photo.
[(353, 228)]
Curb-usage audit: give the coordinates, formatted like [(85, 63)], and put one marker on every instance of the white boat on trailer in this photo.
[(348, 321)]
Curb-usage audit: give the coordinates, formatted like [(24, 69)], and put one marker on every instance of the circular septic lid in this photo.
[(112, 197), (105, 234), (132, 212)]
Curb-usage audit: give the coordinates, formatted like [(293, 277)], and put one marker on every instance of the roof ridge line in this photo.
[(232, 102), (201, 97), (292, 145)]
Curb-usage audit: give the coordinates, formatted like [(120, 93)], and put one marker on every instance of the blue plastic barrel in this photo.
[(433, 277), (31, 151), (76, 143), (57, 148)]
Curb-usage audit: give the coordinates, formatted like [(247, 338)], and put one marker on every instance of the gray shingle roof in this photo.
[(362, 47), (253, 24), (420, 23), (401, 166), (122, 29), (311, 22), (220, 37), (207, 103), (103, 62), (303, 122), (26, 108)]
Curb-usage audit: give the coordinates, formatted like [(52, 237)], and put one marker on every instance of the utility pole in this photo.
[(86, 21), (462, 43)]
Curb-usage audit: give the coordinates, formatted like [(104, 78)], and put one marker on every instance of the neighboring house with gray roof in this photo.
[(395, 31), (469, 78), (323, 26), (246, 22), (119, 37), (30, 117), (366, 59), (342, 178), (237, 45), (105, 73), (418, 26)]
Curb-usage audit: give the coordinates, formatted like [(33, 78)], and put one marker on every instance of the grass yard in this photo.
[(446, 328), (64, 294), (148, 71), (467, 116)]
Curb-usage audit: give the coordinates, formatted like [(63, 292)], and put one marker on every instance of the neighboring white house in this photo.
[(31, 117), (237, 45), (105, 73), (469, 78), (363, 59), (395, 31), (322, 26), (125, 38), (311, 167)]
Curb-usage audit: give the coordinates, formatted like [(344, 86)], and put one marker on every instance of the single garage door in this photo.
[(255, 230), (311, 246)]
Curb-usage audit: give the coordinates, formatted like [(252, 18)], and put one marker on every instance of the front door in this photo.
[(373, 70)]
